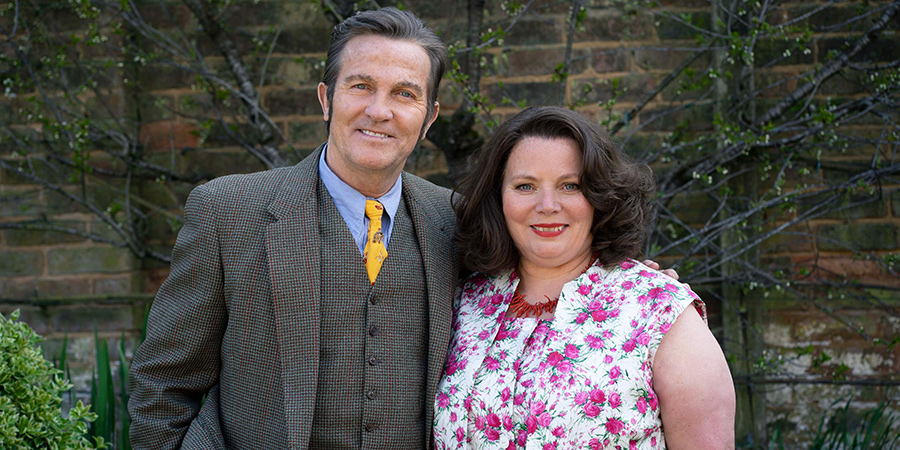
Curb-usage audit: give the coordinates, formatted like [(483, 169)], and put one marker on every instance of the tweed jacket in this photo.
[(238, 319)]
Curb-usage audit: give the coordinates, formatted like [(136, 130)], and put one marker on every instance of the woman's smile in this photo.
[(549, 230)]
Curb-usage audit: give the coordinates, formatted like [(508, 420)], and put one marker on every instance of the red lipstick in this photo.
[(549, 230)]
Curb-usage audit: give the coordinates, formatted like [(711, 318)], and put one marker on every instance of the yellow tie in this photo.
[(375, 252)]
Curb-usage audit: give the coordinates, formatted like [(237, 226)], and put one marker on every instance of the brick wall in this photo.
[(68, 285)]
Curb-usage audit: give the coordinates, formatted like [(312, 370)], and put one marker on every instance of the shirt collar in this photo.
[(349, 201)]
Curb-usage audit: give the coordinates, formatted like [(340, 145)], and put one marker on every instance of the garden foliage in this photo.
[(31, 415)]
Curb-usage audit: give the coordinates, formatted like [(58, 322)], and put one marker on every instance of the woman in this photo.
[(561, 340)]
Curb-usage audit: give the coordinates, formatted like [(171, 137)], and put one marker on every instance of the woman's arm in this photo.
[(694, 385)]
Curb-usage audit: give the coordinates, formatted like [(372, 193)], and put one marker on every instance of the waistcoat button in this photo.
[(373, 361), (370, 394)]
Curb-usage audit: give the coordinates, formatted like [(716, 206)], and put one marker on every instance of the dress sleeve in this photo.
[(673, 299)]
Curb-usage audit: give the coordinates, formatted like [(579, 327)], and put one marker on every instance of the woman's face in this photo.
[(546, 213)]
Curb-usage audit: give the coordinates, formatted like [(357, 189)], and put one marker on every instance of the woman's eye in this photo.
[(524, 187), (571, 187)]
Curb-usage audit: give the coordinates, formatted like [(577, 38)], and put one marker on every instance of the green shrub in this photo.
[(843, 429), (31, 414)]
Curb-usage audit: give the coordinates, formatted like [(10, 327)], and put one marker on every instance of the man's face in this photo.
[(378, 111)]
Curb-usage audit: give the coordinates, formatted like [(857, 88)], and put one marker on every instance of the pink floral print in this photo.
[(581, 380)]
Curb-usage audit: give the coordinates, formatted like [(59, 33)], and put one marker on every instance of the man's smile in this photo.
[(374, 133)]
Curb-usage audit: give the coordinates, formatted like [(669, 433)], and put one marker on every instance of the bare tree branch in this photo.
[(267, 153)]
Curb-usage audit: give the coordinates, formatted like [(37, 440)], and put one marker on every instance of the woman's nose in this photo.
[(548, 202)]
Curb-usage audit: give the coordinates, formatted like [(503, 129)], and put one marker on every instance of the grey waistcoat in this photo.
[(374, 341)]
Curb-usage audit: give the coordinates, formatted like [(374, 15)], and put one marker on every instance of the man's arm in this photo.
[(179, 360)]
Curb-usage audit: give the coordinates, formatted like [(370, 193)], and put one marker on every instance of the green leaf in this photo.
[(31, 405), (103, 394), (124, 440)]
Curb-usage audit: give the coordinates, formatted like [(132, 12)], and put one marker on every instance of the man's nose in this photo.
[(379, 108)]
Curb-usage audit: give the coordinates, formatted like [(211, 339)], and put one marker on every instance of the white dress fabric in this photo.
[(581, 380)]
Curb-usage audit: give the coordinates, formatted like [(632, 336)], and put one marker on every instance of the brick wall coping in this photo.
[(56, 301)]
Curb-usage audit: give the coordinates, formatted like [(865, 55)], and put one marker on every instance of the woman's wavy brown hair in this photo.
[(620, 191)]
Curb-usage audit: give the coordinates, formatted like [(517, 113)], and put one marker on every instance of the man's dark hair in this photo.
[(620, 191), (390, 23)]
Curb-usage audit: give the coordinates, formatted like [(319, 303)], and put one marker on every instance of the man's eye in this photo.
[(406, 94), (359, 86)]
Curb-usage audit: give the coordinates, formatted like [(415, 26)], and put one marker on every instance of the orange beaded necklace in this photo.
[(520, 308)]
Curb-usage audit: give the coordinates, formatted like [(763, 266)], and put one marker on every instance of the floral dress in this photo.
[(580, 380)]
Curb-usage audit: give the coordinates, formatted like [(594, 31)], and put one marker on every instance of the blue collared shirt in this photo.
[(352, 205)]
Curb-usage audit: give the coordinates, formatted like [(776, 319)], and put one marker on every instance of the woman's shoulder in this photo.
[(479, 284), (632, 270), (504, 277), (631, 275), (645, 284), (478, 281)]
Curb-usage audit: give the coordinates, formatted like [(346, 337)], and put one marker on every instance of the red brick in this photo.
[(166, 135), (845, 267)]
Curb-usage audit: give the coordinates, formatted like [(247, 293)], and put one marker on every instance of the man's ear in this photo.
[(437, 109), (323, 100)]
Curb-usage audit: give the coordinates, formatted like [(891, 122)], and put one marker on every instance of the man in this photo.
[(270, 311)]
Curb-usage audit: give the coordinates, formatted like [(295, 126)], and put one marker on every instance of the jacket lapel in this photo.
[(441, 276), (294, 247)]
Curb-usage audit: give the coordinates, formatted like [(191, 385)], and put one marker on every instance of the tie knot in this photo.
[(374, 209)]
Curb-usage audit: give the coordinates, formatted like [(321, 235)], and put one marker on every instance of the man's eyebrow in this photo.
[(412, 86), (359, 77)]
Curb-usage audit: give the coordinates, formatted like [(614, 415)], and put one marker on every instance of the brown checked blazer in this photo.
[(238, 318)]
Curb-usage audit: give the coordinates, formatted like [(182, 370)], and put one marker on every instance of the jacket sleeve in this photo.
[(178, 363)]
